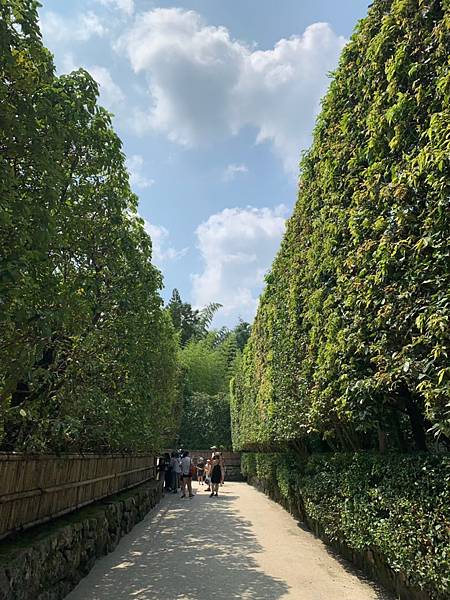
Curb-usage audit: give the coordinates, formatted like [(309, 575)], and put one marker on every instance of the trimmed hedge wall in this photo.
[(395, 506), (351, 341)]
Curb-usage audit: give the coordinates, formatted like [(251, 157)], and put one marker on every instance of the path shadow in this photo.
[(191, 549), (381, 592)]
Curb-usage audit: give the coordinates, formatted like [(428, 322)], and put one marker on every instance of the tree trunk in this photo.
[(397, 428), (382, 440), (416, 418)]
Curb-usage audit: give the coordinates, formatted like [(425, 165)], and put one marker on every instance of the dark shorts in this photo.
[(188, 476)]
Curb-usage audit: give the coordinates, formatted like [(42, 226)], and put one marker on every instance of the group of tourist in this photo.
[(178, 470)]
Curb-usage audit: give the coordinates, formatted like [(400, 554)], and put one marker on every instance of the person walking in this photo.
[(186, 474), (213, 452), (222, 468), (165, 468), (208, 475), (200, 470), (176, 471), (216, 476)]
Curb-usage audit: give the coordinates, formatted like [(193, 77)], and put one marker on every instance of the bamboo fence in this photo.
[(37, 488)]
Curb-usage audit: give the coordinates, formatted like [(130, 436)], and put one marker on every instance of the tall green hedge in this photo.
[(88, 356), (351, 341)]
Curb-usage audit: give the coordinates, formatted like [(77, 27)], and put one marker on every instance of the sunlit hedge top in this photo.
[(352, 332)]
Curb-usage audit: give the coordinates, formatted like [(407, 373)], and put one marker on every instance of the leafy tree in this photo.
[(208, 365), (190, 323), (242, 332), (87, 354), (206, 421), (184, 318), (205, 366)]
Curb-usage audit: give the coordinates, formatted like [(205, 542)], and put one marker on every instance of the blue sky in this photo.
[(214, 101)]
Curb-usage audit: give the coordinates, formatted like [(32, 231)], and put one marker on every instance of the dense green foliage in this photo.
[(87, 353), (397, 505), (208, 365), (350, 345), (351, 341), (206, 421), (190, 323)]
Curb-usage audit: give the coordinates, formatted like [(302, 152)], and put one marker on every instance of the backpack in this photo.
[(192, 469)]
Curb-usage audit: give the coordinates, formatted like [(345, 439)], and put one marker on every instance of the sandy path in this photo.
[(239, 545)]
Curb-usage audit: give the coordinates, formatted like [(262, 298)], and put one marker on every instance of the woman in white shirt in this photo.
[(186, 474)]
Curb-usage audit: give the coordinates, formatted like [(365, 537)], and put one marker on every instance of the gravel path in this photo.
[(237, 546)]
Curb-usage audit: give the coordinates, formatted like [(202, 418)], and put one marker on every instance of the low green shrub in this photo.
[(266, 466), (396, 505), (248, 464)]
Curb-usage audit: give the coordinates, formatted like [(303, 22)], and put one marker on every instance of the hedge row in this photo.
[(396, 505), (87, 352), (351, 341)]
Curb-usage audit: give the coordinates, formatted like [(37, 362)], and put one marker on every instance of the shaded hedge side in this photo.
[(351, 340)]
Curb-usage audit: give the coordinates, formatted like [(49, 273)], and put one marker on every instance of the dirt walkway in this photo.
[(239, 545)]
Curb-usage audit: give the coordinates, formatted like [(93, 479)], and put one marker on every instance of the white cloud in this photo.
[(126, 6), (57, 29), (138, 179), (191, 67), (162, 252), (68, 63), (61, 33), (237, 246), (282, 89), (111, 95), (204, 85), (232, 170)]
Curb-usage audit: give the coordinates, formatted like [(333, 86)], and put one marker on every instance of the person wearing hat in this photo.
[(213, 452)]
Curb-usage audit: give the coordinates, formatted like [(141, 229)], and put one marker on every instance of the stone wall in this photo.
[(233, 473), (47, 562), (371, 562)]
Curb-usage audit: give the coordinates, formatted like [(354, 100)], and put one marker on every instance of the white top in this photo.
[(186, 465)]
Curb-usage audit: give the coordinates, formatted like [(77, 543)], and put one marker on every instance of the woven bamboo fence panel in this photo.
[(37, 488)]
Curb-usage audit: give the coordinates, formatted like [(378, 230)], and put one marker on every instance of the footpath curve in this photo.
[(240, 545)]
